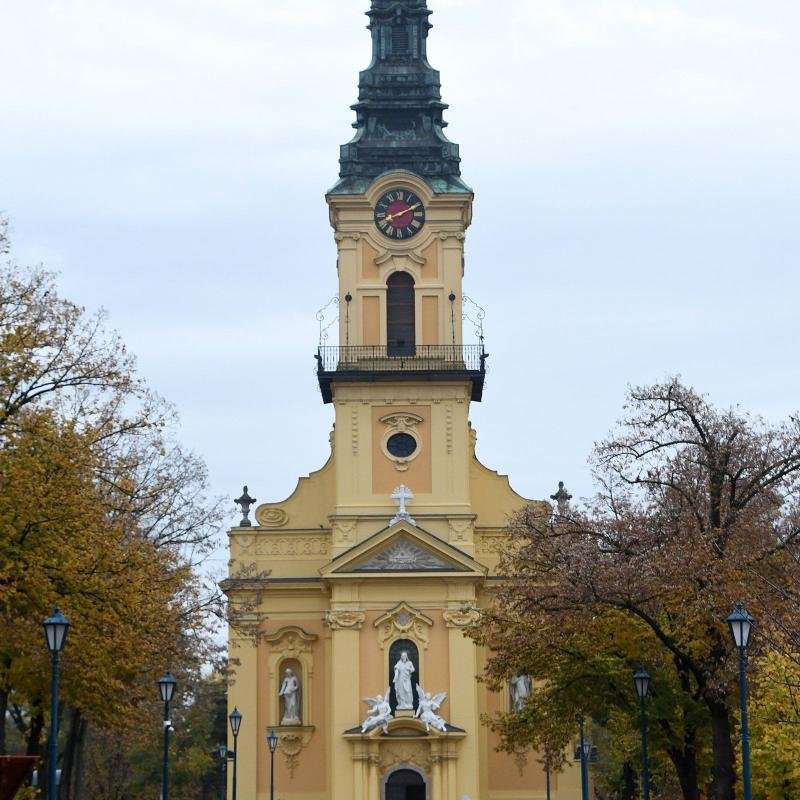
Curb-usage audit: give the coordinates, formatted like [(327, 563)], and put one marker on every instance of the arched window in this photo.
[(400, 315)]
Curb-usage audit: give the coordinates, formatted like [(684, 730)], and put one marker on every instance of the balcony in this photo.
[(374, 363)]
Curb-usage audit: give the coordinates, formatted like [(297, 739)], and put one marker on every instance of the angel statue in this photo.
[(380, 712), (426, 708)]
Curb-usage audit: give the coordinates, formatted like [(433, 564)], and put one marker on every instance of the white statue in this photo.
[(290, 692), (520, 688), (403, 670), (380, 712), (427, 706)]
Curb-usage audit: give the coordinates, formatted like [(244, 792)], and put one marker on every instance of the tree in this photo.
[(101, 511), (696, 508)]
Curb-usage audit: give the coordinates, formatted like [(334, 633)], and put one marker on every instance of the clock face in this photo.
[(399, 214)]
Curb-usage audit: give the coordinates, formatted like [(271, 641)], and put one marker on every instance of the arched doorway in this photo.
[(405, 784), (400, 315)]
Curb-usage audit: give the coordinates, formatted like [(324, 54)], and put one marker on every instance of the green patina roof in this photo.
[(399, 114)]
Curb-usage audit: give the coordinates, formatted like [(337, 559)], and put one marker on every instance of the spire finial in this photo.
[(245, 502)]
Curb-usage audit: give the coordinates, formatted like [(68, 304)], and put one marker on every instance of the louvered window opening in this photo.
[(400, 40)]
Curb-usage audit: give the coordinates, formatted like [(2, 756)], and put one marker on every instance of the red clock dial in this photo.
[(400, 214)]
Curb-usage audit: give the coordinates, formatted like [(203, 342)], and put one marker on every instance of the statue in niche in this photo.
[(290, 692), (380, 712), (403, 670), (520, 689), (427, 706)]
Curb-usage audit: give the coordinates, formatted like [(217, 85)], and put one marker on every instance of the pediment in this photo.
[(403, 549)]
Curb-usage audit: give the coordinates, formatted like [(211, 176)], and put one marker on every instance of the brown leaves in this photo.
[(696, 508)]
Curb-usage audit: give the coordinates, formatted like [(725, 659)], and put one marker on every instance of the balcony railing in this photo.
[(381, 363)]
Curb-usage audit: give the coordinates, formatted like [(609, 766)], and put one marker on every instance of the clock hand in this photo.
[(390, 217)]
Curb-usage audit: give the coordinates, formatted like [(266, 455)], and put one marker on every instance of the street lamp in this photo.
[(223, 761), (235, 719), (741, 625), (55, 632), (272, 743), (585, 749), (641, 680), (166, 688)]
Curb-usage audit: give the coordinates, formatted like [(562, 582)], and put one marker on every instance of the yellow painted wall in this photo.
[(430, 319), (371, 316)]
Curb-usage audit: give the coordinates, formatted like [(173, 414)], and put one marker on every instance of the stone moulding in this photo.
[(403, 621), (461, 617), (344, 619)]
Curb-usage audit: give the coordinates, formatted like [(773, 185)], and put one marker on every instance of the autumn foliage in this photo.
[(697, 508), (103, 513)]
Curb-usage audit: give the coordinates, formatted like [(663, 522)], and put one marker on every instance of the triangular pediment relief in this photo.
[(404, 555), (403, 549)]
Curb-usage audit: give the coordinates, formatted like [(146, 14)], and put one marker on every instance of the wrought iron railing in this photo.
[(419, 358)]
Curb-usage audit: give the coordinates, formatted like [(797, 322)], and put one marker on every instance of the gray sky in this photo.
[(637, 173)]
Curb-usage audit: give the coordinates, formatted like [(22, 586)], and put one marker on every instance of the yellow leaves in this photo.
[(775, 725)]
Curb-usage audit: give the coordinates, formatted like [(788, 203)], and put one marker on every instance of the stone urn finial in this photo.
[(245, 502)]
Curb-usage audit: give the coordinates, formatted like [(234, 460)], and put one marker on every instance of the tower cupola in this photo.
[(399, 114)]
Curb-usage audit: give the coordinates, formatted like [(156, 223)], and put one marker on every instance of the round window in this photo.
[(401, 445)]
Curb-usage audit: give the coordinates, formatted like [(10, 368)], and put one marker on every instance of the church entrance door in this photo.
[(405, 784)]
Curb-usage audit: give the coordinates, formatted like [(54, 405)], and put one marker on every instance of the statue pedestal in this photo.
[(403, 712)]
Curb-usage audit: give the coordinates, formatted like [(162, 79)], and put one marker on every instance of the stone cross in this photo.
[(562, 498), (402, 495)]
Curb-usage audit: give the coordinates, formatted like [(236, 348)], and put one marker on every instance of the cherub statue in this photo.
[(380, 712), (426, 708)]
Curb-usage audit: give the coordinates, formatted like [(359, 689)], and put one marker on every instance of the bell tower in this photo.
[(402, 377), (365, 581)]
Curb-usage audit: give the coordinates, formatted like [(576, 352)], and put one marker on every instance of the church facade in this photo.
[(360, 585)]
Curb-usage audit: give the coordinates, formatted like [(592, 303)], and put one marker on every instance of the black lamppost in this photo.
[(585, 749), (55, 632), (272, 743), (741, 625), (641, 680), (235, 719), (166, 688), (223, 761)]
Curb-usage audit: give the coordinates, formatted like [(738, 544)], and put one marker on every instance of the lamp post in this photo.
[(166, 688), (272, 743), (235, 719), (223, 760), (55, 633), (584, 751), (641, 680), (741, 625)]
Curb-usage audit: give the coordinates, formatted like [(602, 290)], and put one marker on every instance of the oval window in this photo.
[(401, 445)]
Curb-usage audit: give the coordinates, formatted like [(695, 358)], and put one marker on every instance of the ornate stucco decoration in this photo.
[(461, 617), (271, 517), (338, 620), (459, 529), (403, 556), (403, 621), (344, 530), (290, 642), (292, 742), (416, 753), (291, 547), (401, 423)]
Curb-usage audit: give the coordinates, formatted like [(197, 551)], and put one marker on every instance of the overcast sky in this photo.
[(636, 165)]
